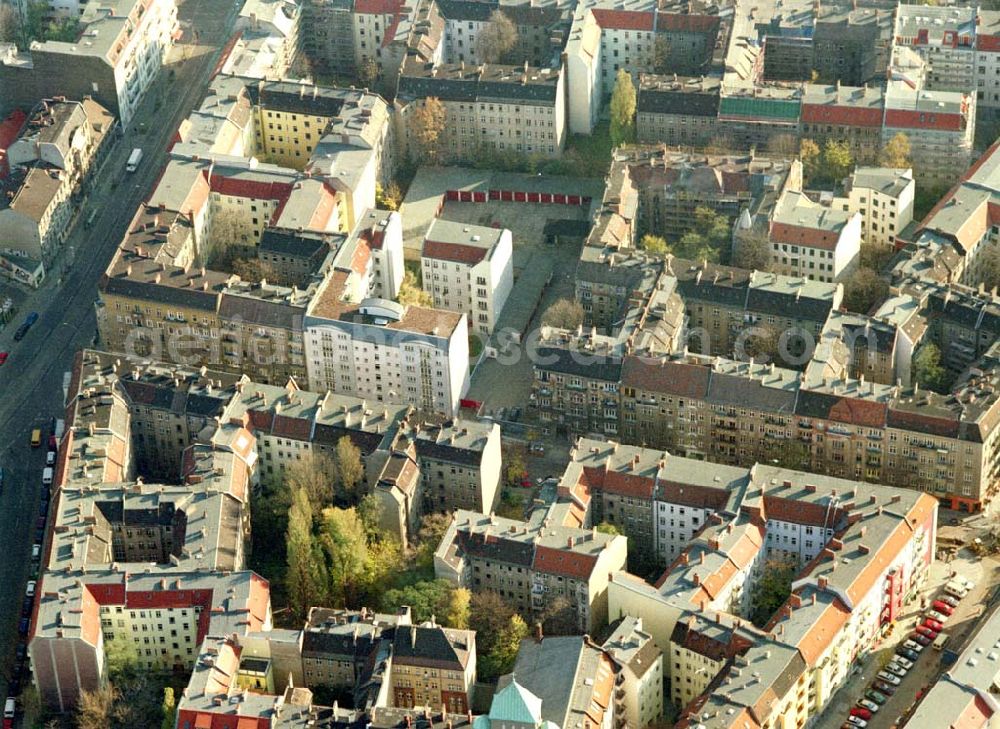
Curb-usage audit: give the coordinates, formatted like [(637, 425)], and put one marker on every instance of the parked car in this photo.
[(933, 624), (921, 639), (943, 607), (26, 605), (927, 632), (905, 663), (884, 687), (949, 600), (30, 589), (937, 615), (22, 626), (890, 678), (22, 651), (857, 721), (896, 669), (861, 712), (915, 647), (870, 705), (878, 698), (956, 590)]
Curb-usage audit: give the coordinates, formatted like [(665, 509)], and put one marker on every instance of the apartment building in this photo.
[(884, 199), (505, 108), (117, 57), (847, 114), (945, 39), (433, 666), (672, 185), (987, 59), (272, 27), (768, 513), (468, 269), (814, 241), (681, 112), (530, 563), (328, 34), (640, 662), (386, 352), (940, 126)]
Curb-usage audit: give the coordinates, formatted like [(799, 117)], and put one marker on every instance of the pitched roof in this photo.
[(564, 562)]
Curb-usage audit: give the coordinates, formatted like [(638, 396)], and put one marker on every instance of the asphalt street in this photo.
[(32, 379)]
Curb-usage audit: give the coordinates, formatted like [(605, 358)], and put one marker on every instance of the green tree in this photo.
[(623, 100), (606, 528), (344, 544), (753, 251), (563, 314), (772, 589), (432, 529), (809, 153), (489, 614), (456, 614), (696, 247), (121, 658), (559, 617), (385, 559), (514, 464), (715, 227), (864, 290), (388, 198), (500, 660), (348, 469), (169, 709), (654, 244), (896, 152), (303, 575), (411, 294), (426, 598), (927, 369), (790, 454), (837, 160), (370, 513)]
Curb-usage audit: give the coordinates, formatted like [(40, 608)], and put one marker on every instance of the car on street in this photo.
[(940, 617), (26, 605), (915, 647), (949, 600), (889, 678), (537, 449), (22, 626), (930, 622), (942, 607), (50, 458), (905, 663), (921, 639), (30, 589), (22, 651), (878, 698), (857, 721), (29, 321), (896, 669), (870, 705), (3, 357), (861, 712), (885, 688), (927, 632), (907, 654)]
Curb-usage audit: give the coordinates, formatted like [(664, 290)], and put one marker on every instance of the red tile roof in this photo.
[(907, 119), (684, 22), (257, 189), (841, 115), (803, 236), (563, 562), (623, 19), (456, 252), (628, 484), (801, 512), (703, 497), (921, 423), (988, 43), (673, 378), (859, 412), (377, 7), (296, 428)]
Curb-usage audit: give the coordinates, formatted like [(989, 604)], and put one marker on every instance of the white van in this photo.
[(47, 477), (133, 160), (956, 590), (9, 708), (940, 641)]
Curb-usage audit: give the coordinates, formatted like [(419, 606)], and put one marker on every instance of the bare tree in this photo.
[(496, 39), (564, 314), (10, 23), (229, 237), (753, 252)]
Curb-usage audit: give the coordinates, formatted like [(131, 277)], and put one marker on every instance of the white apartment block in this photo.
[(945, 38), (988, 59), (468, 269), (272, 26), (382, 231), (811, 240), (386, 352), (883, 198), (641, 664)]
